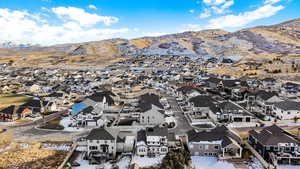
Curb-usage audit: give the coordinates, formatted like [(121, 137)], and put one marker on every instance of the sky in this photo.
[(48, 22)]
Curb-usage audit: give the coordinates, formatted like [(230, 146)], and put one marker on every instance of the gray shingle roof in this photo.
[(273, 135)]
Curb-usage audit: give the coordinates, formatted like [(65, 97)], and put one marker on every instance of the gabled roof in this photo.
[(265, 95), (99, 96), (273, 135), (288, 105), (147, 100), (205, 101), (229, 106), (8, 110), (157, 131), (33, 103), (101, 134), (219, 134)]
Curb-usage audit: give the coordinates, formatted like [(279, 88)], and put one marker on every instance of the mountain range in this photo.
[(267, 42)]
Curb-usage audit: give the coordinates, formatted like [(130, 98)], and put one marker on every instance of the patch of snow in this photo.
[(81, 148), (288, 167), (199, 162), (65, 122), (255, 164), (147, 161), (7, 123), (124, 163), (48, 146)]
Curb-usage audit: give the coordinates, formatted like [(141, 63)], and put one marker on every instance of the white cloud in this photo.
[(82, 17), (91, 6), (216, 7), (242, 19), (214, 2), (28, 27), (271, 1)]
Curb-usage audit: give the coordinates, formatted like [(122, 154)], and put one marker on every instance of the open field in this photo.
[(12, 99)]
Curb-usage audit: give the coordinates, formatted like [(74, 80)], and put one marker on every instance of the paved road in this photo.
[(29, 130), (182, 124)]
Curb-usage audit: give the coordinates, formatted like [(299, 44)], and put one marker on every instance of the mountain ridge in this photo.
[(266, 42)]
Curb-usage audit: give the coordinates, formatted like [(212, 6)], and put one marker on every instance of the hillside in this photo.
[(267, 42)]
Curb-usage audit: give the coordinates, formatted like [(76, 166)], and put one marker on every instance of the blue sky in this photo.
[(50, 22)]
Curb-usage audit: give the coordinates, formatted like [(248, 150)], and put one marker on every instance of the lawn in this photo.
[(12, 99), (53, 125)]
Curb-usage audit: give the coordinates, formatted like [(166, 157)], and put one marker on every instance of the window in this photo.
[(267, 147), (93, 147), (206, 147), (217, 147), (200, 147), (275, 148)]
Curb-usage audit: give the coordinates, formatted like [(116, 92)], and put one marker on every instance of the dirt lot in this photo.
[(27, 155)]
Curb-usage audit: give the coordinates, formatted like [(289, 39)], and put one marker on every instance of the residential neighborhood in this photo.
[(143, 110)]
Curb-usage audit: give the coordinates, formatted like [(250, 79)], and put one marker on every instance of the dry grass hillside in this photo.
[(267, 42)]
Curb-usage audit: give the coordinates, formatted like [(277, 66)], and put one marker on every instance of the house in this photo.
[(88, 118), (102, 144), (152, 141), (275, 145), (152, 116), (101, 100), (269, 83), (203, 107), (35, 105), (232, 112), (151, 110), (286, 110), (220, 141), (8, 114)]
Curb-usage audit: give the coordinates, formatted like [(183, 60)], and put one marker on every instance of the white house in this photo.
[(286, 110), (152, 141)]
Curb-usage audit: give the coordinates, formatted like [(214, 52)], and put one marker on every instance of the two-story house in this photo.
[(219, 141), (152, 141), (274, 144)]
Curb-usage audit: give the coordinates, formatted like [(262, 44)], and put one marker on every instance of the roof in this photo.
[(187, 89), (229, 106), (273, 135), (147, 100), (99, 96), (76, 108), (288, 105), (8, 110), (157, 131), (205, 101), (101, 134), (265, 95), (141, 136), (220, 133), (33, 103)]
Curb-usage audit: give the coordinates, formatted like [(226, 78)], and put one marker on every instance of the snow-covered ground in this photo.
[(147, 161), (7, 123), (199, 162), (123, 163), (66, 122), (288, 167), (49, 146)]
